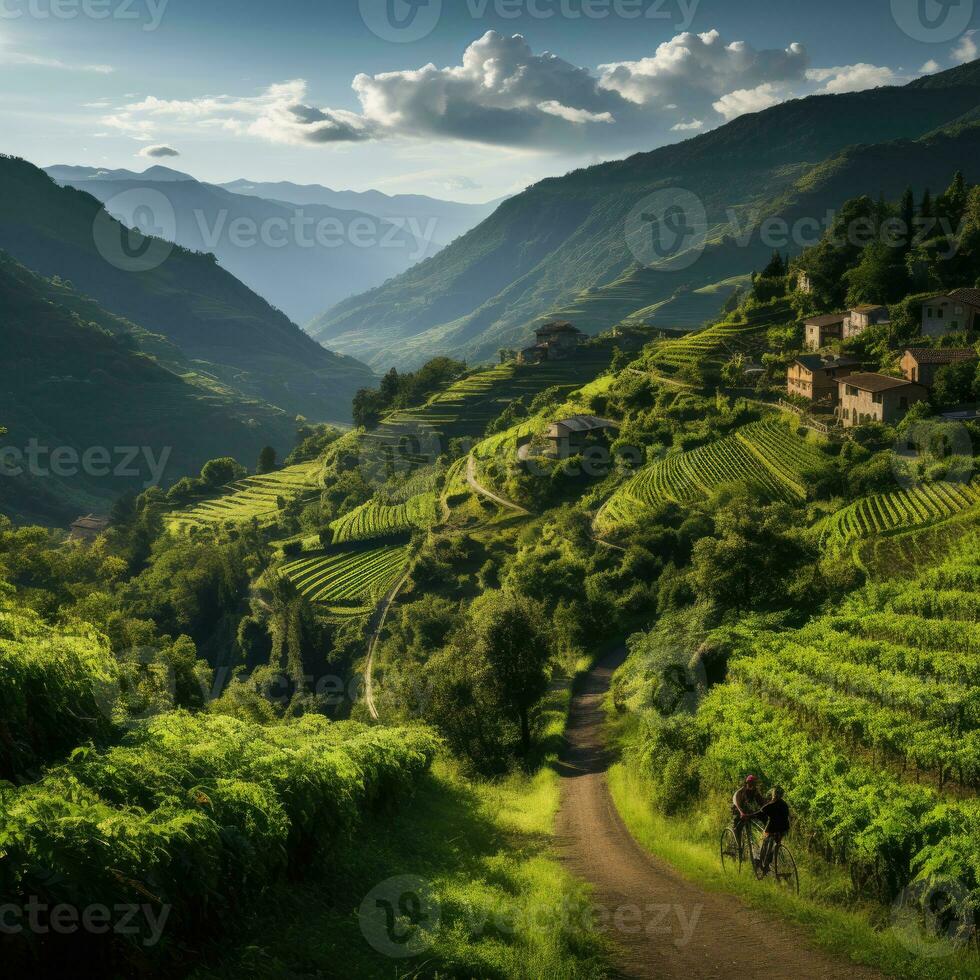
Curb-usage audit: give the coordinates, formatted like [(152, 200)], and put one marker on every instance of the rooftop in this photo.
[(821, 362), (867, 308), (942, 355), (825, 321), (558, 326), (581, 423), (876, 382), (963, 295)]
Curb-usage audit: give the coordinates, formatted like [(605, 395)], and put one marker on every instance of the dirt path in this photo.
[(375, 627), (484, 492), (661, 924)]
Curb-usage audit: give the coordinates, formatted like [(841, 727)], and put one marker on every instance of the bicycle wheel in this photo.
[(752, 838), (784, 869), (731, 853)]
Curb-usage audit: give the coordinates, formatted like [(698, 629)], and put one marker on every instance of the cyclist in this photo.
[(775, 815), (746, 803)]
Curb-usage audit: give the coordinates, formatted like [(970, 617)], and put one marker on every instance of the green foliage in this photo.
[(196, 813)]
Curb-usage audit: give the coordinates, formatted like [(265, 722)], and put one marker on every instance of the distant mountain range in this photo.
[(562, 248), (303, 248), (215, 321)]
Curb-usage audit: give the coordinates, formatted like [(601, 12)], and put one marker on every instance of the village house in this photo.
[(555, 341), (950, 313), (861, 317), (571, 436), (876, 398), (922, 364), (87, 528), (815, 377), (823, 330)]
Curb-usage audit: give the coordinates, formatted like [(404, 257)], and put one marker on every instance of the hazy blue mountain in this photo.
[(226, 329), (272, 246), (451, 218)]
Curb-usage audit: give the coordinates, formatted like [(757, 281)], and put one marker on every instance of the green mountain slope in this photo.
[(539, 250), (75, 377), (189, 299)]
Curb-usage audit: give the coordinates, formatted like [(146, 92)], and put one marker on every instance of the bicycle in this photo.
[(781, 864)]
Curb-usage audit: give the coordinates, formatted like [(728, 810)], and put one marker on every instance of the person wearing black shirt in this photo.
[(775, 815)]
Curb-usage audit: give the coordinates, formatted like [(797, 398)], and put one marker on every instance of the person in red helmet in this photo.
[(746, 803)]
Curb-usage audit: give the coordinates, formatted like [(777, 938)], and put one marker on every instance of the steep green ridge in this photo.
[(75, 377), (538, 251), (189, 299)]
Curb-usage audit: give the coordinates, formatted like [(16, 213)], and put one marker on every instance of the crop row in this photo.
[(376, 520), (347, 576), (888, 512)]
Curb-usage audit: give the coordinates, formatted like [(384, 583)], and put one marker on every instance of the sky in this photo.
[(463, 99)]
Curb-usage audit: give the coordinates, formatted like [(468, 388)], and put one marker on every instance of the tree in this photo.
[(267, 460), (907, 214), (955, 384), (510, 633), (218, 472), (880, 276)]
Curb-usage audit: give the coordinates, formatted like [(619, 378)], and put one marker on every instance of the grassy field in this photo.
[(254, 498)]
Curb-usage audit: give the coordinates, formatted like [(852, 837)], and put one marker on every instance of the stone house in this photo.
[(570, 436), (87, 528), (823, 330), (861, 317), (922, 364), (876, 398), (815, 377), (955, 311), (555, 341)]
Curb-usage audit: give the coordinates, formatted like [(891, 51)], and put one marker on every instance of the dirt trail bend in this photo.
[(662, 925), (475, 485)]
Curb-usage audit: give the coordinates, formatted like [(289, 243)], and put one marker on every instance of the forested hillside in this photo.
[(185, 296), (540, 250)]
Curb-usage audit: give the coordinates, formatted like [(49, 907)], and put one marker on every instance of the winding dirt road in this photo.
[(662, 925)]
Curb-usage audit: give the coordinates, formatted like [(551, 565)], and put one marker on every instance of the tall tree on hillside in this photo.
[(906, 211), (511, 633), (267, 460)]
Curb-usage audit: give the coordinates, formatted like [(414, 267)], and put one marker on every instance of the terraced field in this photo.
[(413, 438), (254, 498), (707, 350), (765, 455), (351, 581), (897, 511), (377, 520)]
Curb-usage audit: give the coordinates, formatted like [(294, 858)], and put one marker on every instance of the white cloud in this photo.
[(158, 151), (741, 101), (966, 50), (553, 108), (37, 61), (504, 94), (460, 182), (700, 68), (853, 78), (930, 67)]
